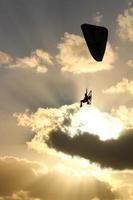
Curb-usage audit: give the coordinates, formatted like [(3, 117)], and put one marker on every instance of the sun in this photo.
[(92, 120)]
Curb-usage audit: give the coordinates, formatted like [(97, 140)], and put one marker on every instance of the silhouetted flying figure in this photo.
[(87, 98)]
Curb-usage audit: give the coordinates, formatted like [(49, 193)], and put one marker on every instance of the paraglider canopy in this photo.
[(96, 39)]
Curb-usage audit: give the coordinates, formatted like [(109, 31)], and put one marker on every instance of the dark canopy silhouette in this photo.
[(96, 39)]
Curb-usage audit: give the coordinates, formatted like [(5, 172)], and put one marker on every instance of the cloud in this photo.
[(97, 18), (25, 180), (37, 61), (130, 63), (54, 126), (68, 129), (20, 195), (125, 25), (69, 119), (125, 183), (43, 120), (116, 154), (16, 174), (74, 56), (5, 58), (124, 114), (126, 191), (71, 130), (121, 87)]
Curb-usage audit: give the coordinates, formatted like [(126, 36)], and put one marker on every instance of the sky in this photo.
[(47, 141)]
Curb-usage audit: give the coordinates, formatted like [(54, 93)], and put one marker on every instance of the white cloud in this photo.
[(20, 195), (38, 61), (5, 58), (42, 69), (74, 56), (130, 63), (69, 119), (126, 191), (124, 114), (20, 180), (121, 87), (26, 62), (97, 18), (46, 57), (45, 120), (125, 25)]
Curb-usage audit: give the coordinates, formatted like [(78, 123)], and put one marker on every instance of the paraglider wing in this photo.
[(96, 39)]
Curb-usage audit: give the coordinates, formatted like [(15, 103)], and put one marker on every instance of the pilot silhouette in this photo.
[(87, 98)]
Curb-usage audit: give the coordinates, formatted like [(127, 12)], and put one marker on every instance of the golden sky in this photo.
[(51, 149)]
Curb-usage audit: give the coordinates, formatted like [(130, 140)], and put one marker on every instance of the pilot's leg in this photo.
[(88, 102), (81, 103)]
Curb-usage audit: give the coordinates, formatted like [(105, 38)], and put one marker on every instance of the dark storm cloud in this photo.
[(20, 179), (116, 154)]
